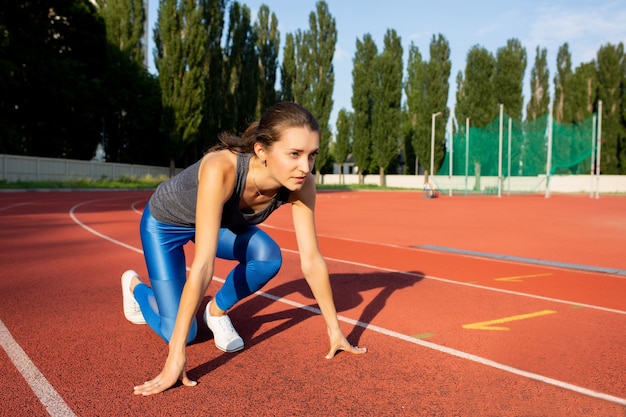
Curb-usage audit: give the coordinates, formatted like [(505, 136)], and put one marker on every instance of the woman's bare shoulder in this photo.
[(219, 163)]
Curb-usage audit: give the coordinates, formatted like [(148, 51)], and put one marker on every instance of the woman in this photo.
[(216, 203)]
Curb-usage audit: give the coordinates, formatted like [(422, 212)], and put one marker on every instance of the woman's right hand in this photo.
[(174, 370)]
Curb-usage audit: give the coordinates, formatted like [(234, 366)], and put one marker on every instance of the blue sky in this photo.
[(549, 24)]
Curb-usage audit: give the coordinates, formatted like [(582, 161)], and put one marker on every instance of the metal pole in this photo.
[(593, 152), (599, 148), (500, 152), (432, 144), (467, 120), (549, 156), (451, 155), (508, 176)]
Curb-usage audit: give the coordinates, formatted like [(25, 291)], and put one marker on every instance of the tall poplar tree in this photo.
[(610, 90), (268, 45), (288, 69), (212, 122), (561, 109), (476, 97), (417, 112), (539, 102), (386, 117), (509, 77), (180, 46), (318, 98), (125, 22), (364, 78), (437, 88), (341, 148), (241, 70)]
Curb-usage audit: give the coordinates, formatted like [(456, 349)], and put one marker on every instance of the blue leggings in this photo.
[(259, 261)]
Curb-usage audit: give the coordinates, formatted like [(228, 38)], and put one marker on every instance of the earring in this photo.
[(264, 163)]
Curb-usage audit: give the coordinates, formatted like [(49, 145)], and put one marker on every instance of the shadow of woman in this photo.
[(347, 293)]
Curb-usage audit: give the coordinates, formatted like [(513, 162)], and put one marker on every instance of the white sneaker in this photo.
[(132, 312), (224, 334)]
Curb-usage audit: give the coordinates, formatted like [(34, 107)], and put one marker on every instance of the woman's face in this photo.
[(291, 158)]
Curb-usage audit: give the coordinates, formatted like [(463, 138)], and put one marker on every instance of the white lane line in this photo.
[(46, 393), (400, 336)]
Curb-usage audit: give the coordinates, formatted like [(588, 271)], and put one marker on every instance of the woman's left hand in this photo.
[(339, 342)]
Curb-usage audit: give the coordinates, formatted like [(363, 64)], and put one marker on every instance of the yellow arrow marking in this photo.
[(521, 277), (487, 325)]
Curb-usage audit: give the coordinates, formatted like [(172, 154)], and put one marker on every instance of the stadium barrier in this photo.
[(15, 168)]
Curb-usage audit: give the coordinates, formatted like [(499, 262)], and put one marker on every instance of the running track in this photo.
[(470, 306)]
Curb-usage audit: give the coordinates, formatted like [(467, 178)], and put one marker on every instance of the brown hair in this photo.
[(269, 128)]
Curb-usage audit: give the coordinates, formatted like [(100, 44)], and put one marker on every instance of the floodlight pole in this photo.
[(599, 147), (467, 138), (432, 143), (500, 152)]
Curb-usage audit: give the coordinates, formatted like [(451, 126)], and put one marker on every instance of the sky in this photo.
[(584, 25)]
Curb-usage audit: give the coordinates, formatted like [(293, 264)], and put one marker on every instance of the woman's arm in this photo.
[(314, 267), (216, 182)]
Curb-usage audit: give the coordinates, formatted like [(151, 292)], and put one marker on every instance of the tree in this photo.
[(288, 69), (539, 102), (180, 46), (125, 22), (363, 97), (476, 97), (268, 45), (437, 88), (320, 42), (241, 70), (611, 75), (213, 69), (417, 112), (387, 105), (52, 60), (561, 109), (509, 77), (341, 150)]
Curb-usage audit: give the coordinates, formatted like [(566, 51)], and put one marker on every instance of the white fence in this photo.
[(23, 168), (458, 184)]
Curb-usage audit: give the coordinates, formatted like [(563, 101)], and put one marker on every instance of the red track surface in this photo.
[(67, 349)]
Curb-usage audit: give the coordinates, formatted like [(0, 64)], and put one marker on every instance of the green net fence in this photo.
[(524, 149)]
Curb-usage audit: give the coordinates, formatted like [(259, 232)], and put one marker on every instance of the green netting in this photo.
[(524, 149)]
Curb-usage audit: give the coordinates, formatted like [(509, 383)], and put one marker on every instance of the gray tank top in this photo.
[(174, 201)]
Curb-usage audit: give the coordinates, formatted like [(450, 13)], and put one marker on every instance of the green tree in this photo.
[(611, 75), (476, 97), (562, 109), (125, 22), (509, 77), (180, 53), (417, 111), (52, 60), (241, 70), (131, 106), (386, 116), (268, 45), (539, 102), (364, 78), (437, 88), (320, 76), (288, 69), (341, 148), (213, 68)]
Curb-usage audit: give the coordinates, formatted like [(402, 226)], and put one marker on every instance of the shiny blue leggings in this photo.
[(259, 261)]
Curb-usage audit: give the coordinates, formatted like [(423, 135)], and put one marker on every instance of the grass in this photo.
[(147, 182)]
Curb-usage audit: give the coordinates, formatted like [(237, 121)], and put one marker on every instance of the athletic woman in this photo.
[(216, 203)]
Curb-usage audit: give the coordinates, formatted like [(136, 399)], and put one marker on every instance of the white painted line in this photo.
[(46, 393), (406, 338)]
